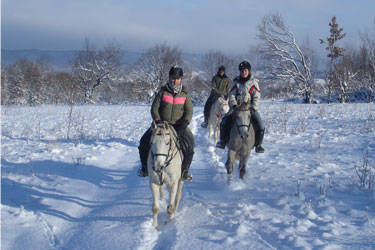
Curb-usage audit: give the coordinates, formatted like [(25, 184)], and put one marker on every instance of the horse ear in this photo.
[(166, 126), (153, 125)]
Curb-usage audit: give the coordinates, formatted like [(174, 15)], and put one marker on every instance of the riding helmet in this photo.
[(176, 72), (244, 65), (222, 68)]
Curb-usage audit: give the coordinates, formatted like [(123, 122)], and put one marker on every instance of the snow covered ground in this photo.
[(83, 192)]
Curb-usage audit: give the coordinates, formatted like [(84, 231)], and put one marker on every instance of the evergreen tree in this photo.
[(335, 52)]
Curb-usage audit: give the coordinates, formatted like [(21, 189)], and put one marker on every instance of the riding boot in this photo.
[(186, 176), (187, 147), (205, 123), (188, 158), (142, 171), (207, 108), (260, 135), (225, 126)]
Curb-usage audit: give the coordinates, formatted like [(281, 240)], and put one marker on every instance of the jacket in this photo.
[(171, 107), (245, 92), (220, 85)]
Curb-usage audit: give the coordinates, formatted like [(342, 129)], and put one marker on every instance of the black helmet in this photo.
[(222, 68), (176, 72), (244, 65)]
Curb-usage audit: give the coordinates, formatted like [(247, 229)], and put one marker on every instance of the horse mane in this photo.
[(244, 106)]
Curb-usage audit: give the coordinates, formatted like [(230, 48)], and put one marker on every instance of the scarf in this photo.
[(243, 80), (176, 89)]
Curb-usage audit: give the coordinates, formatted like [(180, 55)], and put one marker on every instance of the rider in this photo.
[(244, 88), (220, 87), (172, 104)]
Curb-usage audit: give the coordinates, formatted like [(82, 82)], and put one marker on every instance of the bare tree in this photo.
[(5, 94), (63, 88), (368, 62), (213, 60), (344, 76), (95, 67), (283, 57), (24, 83), (152, 68)]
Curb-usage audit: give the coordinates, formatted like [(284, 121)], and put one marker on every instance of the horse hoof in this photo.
[(242, 174), (230, 178)]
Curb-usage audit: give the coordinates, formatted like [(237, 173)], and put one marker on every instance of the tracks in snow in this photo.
[(210, 210)]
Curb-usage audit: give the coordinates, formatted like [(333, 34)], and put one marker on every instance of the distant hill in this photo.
[(61, 59), (58, 59)]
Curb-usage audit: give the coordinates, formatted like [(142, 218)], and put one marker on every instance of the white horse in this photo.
[(242, 139), (164, 167), (217, 112)]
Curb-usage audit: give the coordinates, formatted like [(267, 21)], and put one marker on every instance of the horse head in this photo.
[(161, 143), (243, 120), (224, 106)]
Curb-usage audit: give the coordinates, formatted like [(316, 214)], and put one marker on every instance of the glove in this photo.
[(159, 122)]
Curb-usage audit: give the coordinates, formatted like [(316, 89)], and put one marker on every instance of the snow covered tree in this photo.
[(24, 83), (283, 57), (344, 76), (4, 88), (95, 67), (63, 88), (368, 62), (335, 52), (152, 68)]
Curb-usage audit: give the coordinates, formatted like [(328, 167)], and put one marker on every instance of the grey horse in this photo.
[(241, 142), (164, 167)]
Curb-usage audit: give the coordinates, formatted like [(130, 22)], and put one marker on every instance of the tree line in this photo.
[(286, 69)]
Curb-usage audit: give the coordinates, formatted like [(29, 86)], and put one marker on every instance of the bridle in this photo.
[(169, 155), (243, 125)]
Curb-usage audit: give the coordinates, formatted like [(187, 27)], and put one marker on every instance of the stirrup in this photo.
[(259, 149), (220, 144), (186, 176), (142, 172), (204, 124)]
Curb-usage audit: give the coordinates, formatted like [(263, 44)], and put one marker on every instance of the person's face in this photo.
[(175, 81), (221, 73), (245, 73)]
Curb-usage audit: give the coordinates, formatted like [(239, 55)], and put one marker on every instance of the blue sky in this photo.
[(194, 26)]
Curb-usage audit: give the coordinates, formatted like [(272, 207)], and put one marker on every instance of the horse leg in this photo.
[(172, 198), (231, 161), (155, 188), (216, 134), (242, 165), (242, 170), (161, 192), (179, 192), (209, 129)]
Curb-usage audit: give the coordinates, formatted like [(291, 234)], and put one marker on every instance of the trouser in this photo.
[(228, 120), (207, 107), (186, 140)]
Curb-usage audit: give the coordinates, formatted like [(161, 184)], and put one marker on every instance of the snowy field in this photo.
[(83, 192)]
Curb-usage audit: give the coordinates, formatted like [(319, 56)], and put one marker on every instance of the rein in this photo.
[(243, 125)]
